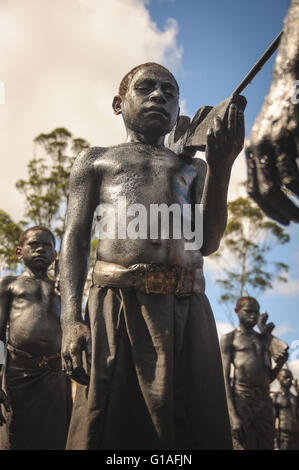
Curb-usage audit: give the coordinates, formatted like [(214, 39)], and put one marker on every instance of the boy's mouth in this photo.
[(40, 258), (156, 109)]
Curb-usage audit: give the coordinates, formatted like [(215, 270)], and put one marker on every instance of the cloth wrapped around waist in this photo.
[(150, 278), (247, 390), (22, 359)]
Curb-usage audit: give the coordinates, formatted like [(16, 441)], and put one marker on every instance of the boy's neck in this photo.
[(151, 139), (36, 273), (245, 329)]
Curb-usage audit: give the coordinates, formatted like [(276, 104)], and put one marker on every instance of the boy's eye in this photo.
[(144, 85), (169, 92), (143, 88)]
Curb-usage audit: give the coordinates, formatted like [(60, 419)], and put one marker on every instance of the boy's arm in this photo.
[(274, 398), (83, 200), (4, 315), (5, 403), (4, 305), (280, 360), (226, 344), (278, 348), (223, 146)]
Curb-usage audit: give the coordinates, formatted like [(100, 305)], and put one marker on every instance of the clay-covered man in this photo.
[(286, 406), (155, 377), (250, 354), (36, 392)]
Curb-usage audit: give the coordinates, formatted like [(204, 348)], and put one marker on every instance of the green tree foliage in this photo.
[(244, 253), (9, 236), (46, 190)]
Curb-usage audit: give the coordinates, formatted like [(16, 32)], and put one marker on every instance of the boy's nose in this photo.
[(157, 96)]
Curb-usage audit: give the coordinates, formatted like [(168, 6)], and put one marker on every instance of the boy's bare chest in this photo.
[(32, 291), (139, 172), (284, 400), (249, 344)]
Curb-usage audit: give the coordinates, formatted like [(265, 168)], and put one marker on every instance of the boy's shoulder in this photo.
[(228, 338), (88, 156), (87, 159), (6, 282), (84, 163)]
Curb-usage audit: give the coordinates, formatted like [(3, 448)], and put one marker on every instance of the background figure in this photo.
[(273, 145), (36, 394), (286, 408), (249, 402)]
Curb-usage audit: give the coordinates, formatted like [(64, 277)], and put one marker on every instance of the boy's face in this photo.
[(248, 314), (151, 104), (285, 379), (38, 250)]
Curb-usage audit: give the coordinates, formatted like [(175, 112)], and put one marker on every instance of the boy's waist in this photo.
[(150, 278), (251, 391), (23, 359)]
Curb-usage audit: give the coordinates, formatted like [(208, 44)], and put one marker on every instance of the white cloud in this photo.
[(281, 330), (212, 267), (183, 108), (61, 64), (238, 175), (289, 288)]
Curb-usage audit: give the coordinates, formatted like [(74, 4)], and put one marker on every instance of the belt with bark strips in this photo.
[(150, 278), (19, 358)]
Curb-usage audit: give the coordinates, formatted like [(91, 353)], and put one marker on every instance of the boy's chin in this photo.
[(42, 265), (155, 129)]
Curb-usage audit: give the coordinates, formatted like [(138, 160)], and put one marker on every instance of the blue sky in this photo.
[(221, 41)]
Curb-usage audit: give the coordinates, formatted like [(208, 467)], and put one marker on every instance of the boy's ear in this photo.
[(19, 252), (55, 254), (116, 104)]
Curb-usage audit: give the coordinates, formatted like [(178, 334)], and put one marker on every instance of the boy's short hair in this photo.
[(124, 84), (243, 300), (35, 229)]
